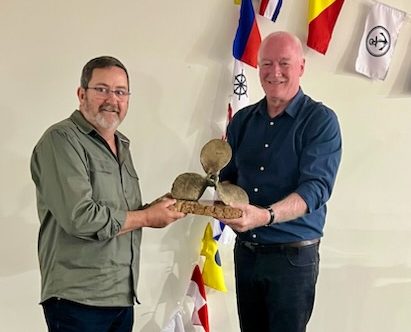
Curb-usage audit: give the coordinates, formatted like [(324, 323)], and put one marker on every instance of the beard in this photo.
[(108, 122)]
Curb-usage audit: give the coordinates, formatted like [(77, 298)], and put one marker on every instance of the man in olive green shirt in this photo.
[(90, 209)]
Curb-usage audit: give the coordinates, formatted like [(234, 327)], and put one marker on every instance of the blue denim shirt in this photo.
[(297, 151)]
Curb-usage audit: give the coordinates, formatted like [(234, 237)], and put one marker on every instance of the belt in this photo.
[(277, 247)]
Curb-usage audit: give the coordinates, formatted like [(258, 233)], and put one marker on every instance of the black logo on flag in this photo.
[(378, 41), (240, 85)]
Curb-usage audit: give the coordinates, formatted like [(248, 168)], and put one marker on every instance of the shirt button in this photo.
[(262, 168), (271, 123), (254, 236), (266, 145), (255, 190)]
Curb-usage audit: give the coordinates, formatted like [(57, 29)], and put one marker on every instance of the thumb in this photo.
[(238, 205), (168, 202)]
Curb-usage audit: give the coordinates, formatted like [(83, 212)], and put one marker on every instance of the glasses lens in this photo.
[(103, 92)]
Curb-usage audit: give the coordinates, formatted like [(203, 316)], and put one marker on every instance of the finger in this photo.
[(168, 202)]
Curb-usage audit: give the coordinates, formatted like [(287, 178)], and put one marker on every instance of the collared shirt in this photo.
[(298, 151), (83, 194)]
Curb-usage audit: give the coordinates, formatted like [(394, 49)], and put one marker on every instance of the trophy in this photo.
[(188, 188)]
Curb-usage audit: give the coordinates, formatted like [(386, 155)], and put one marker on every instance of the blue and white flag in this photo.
[(270, 9), (175, 323), (222, 233), (380, 35)]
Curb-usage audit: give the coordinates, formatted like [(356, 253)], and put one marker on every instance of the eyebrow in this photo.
[(116, 87)]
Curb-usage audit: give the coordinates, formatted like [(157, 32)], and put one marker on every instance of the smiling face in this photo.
[(104, 112), (281, 64)]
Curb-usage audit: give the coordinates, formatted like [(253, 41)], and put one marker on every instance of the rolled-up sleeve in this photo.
[(320, 158)]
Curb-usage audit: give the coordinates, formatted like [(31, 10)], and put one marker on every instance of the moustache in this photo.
[(108, 108)]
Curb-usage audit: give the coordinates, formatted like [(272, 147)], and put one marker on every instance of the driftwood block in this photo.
[(216, 209)]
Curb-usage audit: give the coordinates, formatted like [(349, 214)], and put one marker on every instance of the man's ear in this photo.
[(302, 67), (81, 93)]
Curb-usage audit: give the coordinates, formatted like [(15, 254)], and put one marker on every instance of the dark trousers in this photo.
[(67, 316), (275, 288)]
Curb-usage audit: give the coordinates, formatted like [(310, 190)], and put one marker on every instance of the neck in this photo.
[(109, 137), (276, 107)]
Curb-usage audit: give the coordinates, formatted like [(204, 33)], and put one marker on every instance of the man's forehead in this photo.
[(105, 70), (109, 73)]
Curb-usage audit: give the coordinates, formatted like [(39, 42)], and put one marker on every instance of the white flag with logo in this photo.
[(239, 98), (380, 35)]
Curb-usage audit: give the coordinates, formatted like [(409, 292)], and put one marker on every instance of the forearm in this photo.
[(158, 214), (290, 208), (134, 220)]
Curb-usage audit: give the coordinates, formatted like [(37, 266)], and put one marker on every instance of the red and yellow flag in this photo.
[(322, 15)]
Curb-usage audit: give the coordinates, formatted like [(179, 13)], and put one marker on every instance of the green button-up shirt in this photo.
[(83, 194)]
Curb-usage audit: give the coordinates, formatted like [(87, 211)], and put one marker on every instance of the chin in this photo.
[(108, 124)]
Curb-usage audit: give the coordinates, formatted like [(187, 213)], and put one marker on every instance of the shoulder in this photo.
[(63, 126), (61, 133), (316, 116), (317, 121), (316, 109)]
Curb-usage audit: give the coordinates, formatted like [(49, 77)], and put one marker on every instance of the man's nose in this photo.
[(111, 96), (277, 70)]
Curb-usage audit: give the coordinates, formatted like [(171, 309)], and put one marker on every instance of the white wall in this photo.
[(179, 57)]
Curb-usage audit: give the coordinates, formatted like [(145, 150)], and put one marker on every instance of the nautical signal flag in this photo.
[(248, 38), (239, 97), (270, 9), (382, 27), (222, 233), (175, 323), (197, 291), (213, 275), (322, 16), (245, 50)]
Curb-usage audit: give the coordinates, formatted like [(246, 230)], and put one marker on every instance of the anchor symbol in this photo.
[(378, 41), (374, 42)]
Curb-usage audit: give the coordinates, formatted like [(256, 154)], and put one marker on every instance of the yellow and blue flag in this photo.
[(213, 275)]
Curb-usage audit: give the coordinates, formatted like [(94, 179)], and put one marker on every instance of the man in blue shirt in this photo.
[(286, 152)]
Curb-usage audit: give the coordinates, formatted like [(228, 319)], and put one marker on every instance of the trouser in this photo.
[(67, 316), (275, 287)]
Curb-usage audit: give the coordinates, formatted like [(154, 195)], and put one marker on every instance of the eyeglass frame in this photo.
[(105, 91)]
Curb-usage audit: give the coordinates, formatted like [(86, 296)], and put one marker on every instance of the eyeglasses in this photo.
[(104, 92)]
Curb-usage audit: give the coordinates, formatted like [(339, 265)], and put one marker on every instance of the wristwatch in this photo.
[(272, 216)]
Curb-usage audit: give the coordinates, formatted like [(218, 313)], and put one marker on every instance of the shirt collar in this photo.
[(88, 129), (291, 109)]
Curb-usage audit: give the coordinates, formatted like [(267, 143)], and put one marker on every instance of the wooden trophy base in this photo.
[(215, 209)]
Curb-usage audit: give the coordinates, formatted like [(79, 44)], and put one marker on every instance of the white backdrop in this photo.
[(179, 58)]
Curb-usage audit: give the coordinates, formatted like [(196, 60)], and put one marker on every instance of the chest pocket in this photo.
[(104, 179), (131, 186)]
